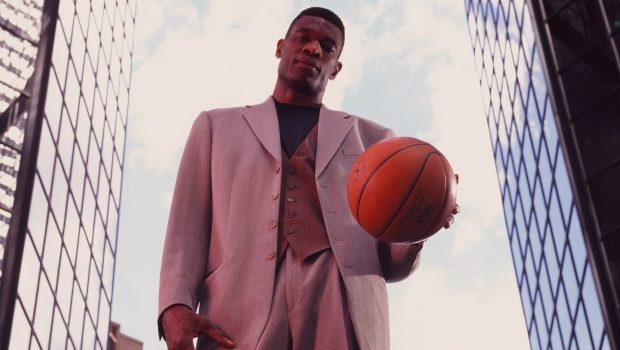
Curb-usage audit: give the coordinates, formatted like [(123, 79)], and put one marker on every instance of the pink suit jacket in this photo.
[(222, 231)]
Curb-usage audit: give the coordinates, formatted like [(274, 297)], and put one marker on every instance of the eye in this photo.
[(329, 48), (301, 37)]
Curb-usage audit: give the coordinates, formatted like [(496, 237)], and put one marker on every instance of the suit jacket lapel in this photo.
[(263, 120), (333, 128)]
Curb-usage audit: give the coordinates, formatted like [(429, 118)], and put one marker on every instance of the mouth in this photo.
[(309, 63)]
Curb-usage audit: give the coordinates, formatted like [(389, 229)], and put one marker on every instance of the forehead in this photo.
[(319, 26)]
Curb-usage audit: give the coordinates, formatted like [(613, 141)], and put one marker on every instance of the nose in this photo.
[(313, 48)]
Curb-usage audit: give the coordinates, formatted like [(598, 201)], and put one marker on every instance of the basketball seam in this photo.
[(396, 212), (445, 196), (359, 200)]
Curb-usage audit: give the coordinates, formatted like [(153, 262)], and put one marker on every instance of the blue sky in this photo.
[(408, 65)]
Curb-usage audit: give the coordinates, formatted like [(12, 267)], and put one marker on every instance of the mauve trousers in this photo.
[(310, 309)]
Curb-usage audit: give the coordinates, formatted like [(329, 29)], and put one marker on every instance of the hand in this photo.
[(181, 325), (455, 211)]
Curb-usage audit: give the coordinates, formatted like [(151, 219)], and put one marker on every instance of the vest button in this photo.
[(290, 230), (290, 199), (290, 170), (291, 186), (290, 214)]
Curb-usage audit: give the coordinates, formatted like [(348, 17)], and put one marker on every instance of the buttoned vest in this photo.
[(301, 219)]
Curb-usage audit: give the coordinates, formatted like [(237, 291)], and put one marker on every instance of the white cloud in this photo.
[(209, 62), (470, 231), (433, 312), (459, 131), (359, 48), (149, 19), (434, 38), (166, 201), (353, 58)]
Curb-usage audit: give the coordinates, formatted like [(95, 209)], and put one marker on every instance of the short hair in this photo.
[(321, 12)]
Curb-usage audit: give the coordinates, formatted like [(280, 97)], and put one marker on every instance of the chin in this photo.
[(308, 87)]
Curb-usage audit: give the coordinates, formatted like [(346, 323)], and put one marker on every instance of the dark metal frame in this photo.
[(583, 198), (23, 194)]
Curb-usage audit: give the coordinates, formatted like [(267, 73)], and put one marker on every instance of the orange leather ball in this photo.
[(401, 190)]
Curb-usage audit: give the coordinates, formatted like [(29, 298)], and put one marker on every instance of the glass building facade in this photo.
[(557, 282), (20, 24), (59, 252)]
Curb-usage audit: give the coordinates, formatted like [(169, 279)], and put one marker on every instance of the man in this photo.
[(260, 236)]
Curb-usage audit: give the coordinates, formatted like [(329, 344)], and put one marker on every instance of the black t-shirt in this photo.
[(295, 124)]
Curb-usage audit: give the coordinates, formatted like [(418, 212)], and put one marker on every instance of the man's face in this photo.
[(309, 55)]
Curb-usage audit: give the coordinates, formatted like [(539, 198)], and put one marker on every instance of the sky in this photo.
[(406, 64)]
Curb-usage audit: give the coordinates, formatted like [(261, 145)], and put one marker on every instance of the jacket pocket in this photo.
[(214, 271)]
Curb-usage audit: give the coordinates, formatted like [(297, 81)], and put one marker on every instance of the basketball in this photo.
[(401, 190)]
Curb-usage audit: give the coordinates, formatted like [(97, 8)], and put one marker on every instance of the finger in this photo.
[(450, 221), (457, 177), (220, 338), (207, 328), (457, 209)]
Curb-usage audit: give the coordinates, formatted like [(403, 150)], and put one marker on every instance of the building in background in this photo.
[(550, 78), (120, 341), (19, 34), (65, 71)]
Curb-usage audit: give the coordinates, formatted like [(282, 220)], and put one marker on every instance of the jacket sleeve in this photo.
[(186, 245), (397, 260)]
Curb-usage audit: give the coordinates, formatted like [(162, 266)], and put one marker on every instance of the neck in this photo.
[(295, 97)]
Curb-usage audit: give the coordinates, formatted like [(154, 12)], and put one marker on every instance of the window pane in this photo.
[(605, 190), (59, 333), (28, 279), (575, 29), (65, 282), (37, 219), (51, 254), (20, 331), (43, 313), (77, 316), (597, 135), (591, 78)]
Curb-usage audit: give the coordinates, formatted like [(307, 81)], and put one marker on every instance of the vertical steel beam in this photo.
[(14, 246)]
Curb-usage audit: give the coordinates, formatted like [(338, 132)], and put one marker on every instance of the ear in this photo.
[(336, 70), (279, 46)]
